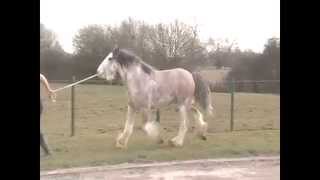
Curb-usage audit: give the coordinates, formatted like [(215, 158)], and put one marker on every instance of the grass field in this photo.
[(100, 111)]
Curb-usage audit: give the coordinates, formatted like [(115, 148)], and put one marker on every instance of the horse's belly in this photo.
[(162, 100)]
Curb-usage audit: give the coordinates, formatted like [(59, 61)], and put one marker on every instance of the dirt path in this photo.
[(257, 168)]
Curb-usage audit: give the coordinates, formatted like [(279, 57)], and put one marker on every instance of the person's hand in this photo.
[(52, 95)]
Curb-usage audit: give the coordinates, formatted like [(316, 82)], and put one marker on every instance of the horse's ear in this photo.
[(115, 50)]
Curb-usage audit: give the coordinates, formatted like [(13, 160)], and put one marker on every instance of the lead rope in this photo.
[(70, 85)]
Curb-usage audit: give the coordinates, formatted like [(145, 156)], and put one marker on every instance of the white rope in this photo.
[(73, 84)]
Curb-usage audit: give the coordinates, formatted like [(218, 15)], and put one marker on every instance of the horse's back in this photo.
[(175, 72), (178, 80)]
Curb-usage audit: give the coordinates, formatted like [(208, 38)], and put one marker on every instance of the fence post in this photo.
[(232, 104), (72, 107), (255, 87)]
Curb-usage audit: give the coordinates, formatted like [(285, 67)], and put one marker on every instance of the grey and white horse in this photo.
[(150, 89)]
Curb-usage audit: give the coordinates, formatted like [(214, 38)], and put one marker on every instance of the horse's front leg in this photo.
[(151, 126), (201, 125), (123, 138), (179, 139)]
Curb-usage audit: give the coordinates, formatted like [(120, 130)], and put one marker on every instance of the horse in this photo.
[(150, 89)]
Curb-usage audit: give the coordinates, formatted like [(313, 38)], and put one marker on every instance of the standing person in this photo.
[(52, 95)]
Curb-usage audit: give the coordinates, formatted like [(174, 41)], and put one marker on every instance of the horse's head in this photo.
[(109, 68)]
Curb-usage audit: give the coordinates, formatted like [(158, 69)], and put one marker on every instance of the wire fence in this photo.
[(252, 86), (240, 105)]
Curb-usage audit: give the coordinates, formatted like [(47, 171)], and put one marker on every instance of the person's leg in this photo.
[(43, 143)]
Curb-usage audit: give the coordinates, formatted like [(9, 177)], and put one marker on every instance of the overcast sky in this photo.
[(249, 22)]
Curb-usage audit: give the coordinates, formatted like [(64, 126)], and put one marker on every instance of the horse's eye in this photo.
[(110, 58)]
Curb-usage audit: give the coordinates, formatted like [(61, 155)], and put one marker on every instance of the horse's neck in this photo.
[(136, 78), (127, 73)]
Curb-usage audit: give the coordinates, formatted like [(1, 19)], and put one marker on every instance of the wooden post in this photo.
[(72, 107), (232, 105), (255, 87)]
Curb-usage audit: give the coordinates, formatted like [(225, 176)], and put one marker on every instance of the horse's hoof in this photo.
[(174, 143), (203, 137), (160, 141), (171, 143), (120, 146)]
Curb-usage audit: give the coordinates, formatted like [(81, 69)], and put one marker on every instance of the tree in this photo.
[(174, 44), (47, 38), (254, 66), (272, 54), (92, 43), (222, 52), (55, 63)]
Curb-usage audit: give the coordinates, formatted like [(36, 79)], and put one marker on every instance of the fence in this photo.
[(236, 90), (261, 86)]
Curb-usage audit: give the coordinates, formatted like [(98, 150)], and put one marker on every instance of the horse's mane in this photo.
[(127, 58)]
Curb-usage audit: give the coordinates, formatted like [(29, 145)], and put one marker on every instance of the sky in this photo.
[(249, 22)]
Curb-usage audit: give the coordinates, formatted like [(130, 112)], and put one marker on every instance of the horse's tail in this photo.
[(202, 93)]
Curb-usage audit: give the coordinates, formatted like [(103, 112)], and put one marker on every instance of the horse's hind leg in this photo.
[(178, 140), (123, 138), (201, 125), (150, 126)]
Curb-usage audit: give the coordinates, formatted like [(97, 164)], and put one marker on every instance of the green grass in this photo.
[(100, 112)]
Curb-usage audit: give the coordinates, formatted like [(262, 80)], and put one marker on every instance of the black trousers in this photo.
[(43, 143)]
